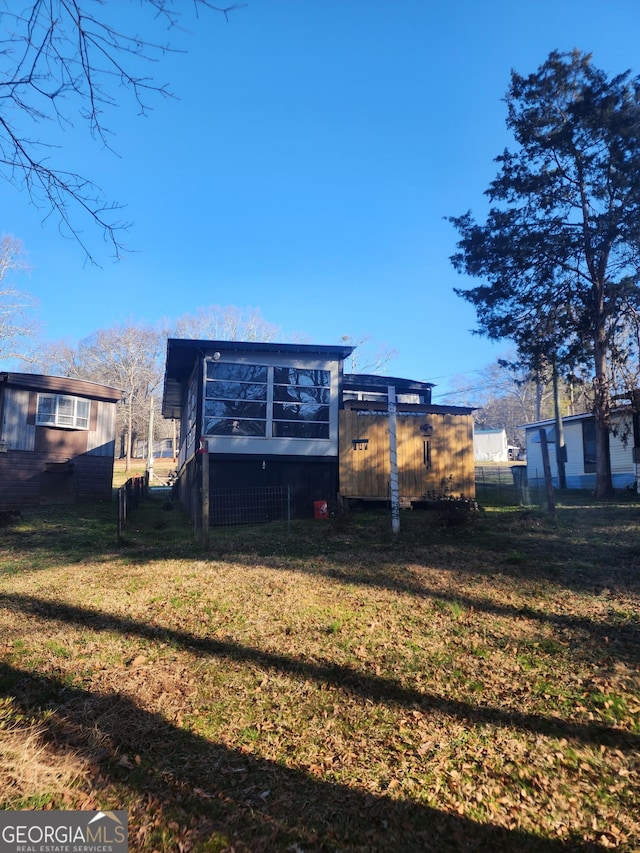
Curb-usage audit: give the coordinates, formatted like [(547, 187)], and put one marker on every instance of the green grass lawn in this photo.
[(327, 686)]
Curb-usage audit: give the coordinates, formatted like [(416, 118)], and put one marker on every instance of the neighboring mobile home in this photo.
[(57, 440), (580, 444), (268, 415)]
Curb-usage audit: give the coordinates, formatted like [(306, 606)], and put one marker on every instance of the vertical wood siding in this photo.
[(101, 441), (428, 464), (16, 431)]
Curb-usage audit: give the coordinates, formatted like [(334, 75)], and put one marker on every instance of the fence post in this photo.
[(129, 496), (120, 494), (551, 501), (393, 459), (205, 492)]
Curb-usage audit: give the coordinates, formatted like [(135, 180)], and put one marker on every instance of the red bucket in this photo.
[(320, 510)]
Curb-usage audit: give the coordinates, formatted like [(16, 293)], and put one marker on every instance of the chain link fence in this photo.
[(508, 485)]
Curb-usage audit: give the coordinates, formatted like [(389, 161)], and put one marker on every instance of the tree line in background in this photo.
[(131, 356)]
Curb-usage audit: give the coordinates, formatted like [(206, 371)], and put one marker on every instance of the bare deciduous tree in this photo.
[(127, 357), (65, 63), (16, 324), (225, 323), (367, 357)]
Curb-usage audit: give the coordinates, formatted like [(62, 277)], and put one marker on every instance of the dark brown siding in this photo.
[(71, 442), (30, 478)]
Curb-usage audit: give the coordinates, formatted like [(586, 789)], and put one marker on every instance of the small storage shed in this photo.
[(434, 443), (57, 440)]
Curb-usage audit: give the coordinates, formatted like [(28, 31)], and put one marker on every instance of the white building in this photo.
[(580, 444), (490, 445)]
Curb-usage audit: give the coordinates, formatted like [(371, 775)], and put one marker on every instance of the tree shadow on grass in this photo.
[(60, 546), (619, 638), (246, 803), (356, 682)]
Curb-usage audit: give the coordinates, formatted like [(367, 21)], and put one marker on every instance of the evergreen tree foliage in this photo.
[(558, 252)]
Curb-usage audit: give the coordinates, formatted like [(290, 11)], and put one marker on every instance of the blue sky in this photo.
[(306, 167)]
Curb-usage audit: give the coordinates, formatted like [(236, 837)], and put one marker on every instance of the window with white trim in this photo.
[(60, 410)]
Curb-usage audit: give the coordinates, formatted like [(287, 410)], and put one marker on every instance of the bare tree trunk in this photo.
[(604, 484), (150, 439), (602, 404), (127, 463), (539, 393), (551, 501), (561, 449)]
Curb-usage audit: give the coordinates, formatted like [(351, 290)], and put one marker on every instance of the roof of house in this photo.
[(183, 352), (61, 385), (620, 410), (423, 408), (375, 383)]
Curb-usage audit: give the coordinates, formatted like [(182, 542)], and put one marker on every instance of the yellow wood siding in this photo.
[(364, 471)]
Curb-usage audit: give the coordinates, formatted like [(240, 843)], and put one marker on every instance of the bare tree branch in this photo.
[(16, 324), (63, 63)]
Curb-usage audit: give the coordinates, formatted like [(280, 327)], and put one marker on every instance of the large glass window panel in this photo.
[(298, 394), (300, 411), (300, 429), (234, 409), (237, 372), (239, 401), (235, 391), (301, 376), (65, 411), (234, 427)]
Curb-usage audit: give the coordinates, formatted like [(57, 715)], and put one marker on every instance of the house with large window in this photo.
[(580, 446), (57, 440), (286, 416), (266, 414)]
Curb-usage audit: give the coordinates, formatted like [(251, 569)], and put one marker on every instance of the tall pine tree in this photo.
[(560, 247)]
